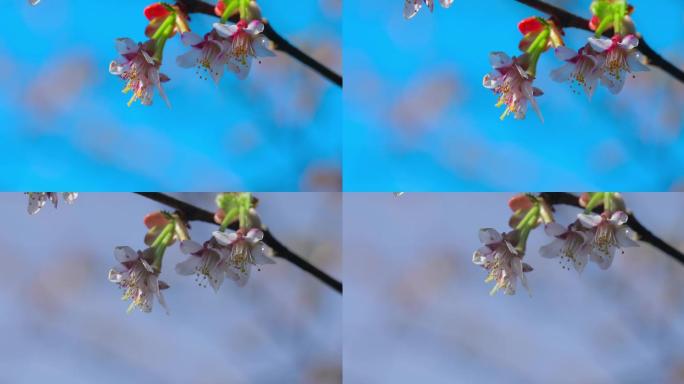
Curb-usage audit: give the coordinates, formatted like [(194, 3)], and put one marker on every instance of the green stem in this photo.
[(536, 49), (168, 21), (595, 200), (230, 8), (530, 219), (160, 238), (227, 219)]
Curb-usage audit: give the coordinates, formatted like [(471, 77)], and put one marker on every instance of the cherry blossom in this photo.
[(33, 2), (583, 68), (607, 235), (139, 69), (204, 261), (208, 54), (502, 260), (513, 84), (37, 200), (570, 244), (245, 43), (138, 279), (243, 249), (411, 7), (619, 58)]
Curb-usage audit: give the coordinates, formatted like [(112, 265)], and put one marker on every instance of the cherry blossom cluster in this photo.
[(227, 45), (37, 200), (226, 254), (601, 61), (604, 61), (411, 7), (591, 237)]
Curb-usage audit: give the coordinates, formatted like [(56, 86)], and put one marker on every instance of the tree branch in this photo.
[(566, 19), (645, 235), (281, 44), (190, 212)]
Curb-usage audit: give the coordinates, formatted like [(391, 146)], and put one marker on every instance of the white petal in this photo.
[(242, 277), (225, 238), (581, 259), (589, 220), (554, 229), (216, 276), (217, 72), (240, 68), (255, 27), (125, 253), (590, 86), (489, 236), (411, 8), (188, 59), (116, 68), (446, 3), (36, 202), (563, 73), (491, 80), (600, 44), (254, 235), (499, 60), (625, 238), (629, 42), (114, 276), (479, 258), (635, 64), (552, 249), (516, 267), (189, 246), (261, 46), (189, 266), (260, 258), (147, 266), (191, 38), (564, 53), (614, 85), (619, 218), (125, 45), (70, 197), (530, 92), (225, 30)]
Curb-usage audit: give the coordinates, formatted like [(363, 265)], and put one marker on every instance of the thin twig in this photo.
[(566, 19), (190, 212), (281, 44), (645, 235)]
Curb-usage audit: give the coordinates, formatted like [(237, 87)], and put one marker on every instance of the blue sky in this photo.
[(418, 310), (65, 124), (64, 322), (417, 117)]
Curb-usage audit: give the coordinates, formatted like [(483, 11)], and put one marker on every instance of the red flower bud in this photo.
[(156, 10), (219, 8), (520, 203), (531, 24), (594, 22)]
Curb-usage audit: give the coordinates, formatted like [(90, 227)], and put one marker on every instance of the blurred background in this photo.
[(62, 321), (64, 123), (418, 310), (417, 117)]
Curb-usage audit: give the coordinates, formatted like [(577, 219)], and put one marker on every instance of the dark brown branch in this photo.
[(190, 212), (566, 19), (281, 44), (645, 235)]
